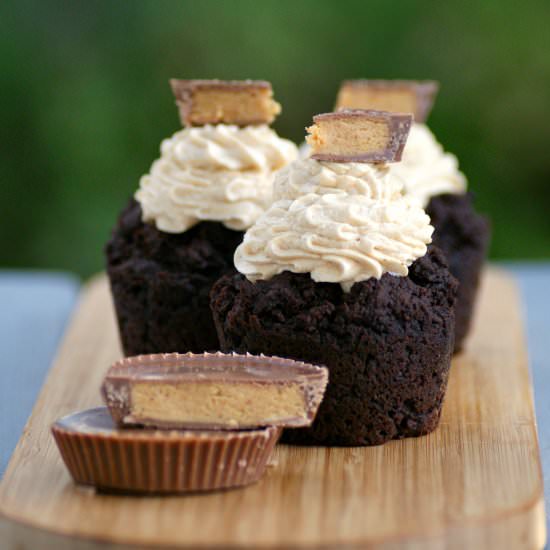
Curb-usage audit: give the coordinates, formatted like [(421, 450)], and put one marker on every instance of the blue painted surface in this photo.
[(534, 282), (35, 308)]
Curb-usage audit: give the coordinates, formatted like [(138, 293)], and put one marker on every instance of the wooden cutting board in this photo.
[(474, 483)]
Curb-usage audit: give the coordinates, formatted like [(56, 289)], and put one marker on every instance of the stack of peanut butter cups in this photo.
[(178, 423)]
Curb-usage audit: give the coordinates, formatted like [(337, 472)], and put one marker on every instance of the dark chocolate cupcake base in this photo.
[(387, 344), (160, 283), (463, 235)]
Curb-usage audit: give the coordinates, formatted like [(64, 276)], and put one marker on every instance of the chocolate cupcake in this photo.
[(178, 236), (338, 272), (464, 237), (432, 176)]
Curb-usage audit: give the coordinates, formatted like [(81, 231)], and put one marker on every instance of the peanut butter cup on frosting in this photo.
[(431, 175), (212, 181), (340, 271)]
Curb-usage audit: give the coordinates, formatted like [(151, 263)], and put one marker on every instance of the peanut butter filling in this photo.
[(348, 136), (232, 106), (363, 97), (232, 404)]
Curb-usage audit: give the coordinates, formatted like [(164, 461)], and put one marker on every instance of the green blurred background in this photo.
[(86, 102)]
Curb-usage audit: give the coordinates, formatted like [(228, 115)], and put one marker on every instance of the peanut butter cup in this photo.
[(397, 96), (99, 454), (240, 102), (213, 391), (358, 135)]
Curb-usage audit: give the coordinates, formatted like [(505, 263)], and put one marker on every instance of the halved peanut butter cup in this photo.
[(213, 391)]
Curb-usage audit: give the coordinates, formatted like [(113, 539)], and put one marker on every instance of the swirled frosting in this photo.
[(219, 173), (304, 150), (426, 169), (342, 223), (353, 178)]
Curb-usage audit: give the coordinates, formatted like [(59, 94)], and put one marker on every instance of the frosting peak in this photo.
[(229, 147), (342, 223), (219, 173), (311, 176), (426, 169)]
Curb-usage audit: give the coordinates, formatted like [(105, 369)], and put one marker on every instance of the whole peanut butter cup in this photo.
[(98, 453)]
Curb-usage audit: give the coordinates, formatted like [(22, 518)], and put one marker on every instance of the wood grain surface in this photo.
[(474, 483)]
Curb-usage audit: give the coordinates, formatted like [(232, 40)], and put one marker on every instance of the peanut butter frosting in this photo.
[(218, 173), (426, 170), (340, 222), (354, 178)]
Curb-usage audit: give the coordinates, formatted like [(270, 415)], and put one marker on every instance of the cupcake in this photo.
[(432, 176), (338, 272), (177, 236)]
